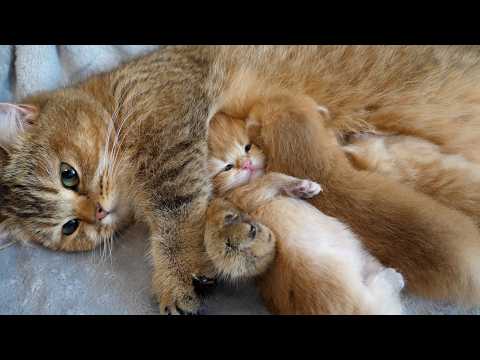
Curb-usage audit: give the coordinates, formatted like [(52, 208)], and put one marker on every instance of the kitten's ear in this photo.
[(14, 120), (356, 156), (251, 121), (324, 111)]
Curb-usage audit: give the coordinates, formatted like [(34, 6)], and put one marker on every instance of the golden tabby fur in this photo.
[(160, 106), (320, 266)]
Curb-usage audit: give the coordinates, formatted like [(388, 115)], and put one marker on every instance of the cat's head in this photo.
[(233, 159), (59, 185)]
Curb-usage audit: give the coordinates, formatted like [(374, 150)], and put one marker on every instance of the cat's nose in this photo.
[(247, 164), (100, 213)]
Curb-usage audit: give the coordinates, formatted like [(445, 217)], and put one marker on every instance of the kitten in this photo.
[(422, 165), (320, 265), (434, 247)]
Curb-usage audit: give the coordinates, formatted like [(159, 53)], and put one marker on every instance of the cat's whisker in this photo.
[(128, 129), (116, 146), (110, 245), (109, 150)]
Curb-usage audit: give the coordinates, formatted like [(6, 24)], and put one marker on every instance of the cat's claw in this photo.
[(181, 304), (203, 285), (304, 189)]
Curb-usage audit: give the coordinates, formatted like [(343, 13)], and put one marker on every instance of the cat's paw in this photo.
[(179, 303), (304, 189)]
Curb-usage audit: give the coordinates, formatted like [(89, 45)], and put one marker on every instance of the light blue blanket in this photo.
[(34, 280)]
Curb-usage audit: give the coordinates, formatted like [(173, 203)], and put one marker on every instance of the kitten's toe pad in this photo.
[(304, 189)]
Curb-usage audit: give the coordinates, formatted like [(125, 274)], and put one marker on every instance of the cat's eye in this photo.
[(69, 176), (70, 227), (228, 167), (248, 147)]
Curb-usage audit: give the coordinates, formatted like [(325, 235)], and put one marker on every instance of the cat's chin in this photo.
[(256, 174)]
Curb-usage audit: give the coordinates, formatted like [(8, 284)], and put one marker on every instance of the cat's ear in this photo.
[(14, 120)]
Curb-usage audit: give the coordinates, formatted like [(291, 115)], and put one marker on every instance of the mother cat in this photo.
[(131, 145)]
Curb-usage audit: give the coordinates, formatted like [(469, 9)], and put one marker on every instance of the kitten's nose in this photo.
[(247, 165), (101, 213)]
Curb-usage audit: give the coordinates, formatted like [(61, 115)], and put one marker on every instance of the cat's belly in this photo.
[(299, 225)]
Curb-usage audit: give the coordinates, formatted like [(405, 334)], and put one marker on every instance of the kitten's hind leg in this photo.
[(385, 287), (388, 276)]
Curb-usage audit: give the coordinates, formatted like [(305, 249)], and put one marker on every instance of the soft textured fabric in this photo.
[(34, 280), (26, 69)]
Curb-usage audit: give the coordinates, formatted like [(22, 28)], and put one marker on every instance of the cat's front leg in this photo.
[(180, 265)]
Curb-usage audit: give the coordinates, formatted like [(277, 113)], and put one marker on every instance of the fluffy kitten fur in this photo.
[(165, 101), (451, 179), (320, 266), (434, 247)]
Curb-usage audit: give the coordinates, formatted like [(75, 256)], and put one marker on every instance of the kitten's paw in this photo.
[(304, 189), (394, 278)]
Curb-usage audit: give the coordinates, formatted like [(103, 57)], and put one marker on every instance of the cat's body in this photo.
[(161, 177)]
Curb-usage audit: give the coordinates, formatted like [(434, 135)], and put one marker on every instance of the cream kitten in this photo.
[(320, 266), (451, 179)]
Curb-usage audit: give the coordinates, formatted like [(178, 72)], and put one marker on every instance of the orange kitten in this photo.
[(320, 266)]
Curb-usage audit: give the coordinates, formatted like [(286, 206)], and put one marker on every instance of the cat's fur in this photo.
[(451, 179), (170, 96), (320, 266), (137, 138)]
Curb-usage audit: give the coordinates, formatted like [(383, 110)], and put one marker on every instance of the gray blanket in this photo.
[(34, 280)]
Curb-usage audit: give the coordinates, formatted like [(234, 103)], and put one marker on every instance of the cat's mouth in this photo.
[(254, 173)]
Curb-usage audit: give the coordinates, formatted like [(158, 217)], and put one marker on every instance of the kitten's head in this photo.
[(238, 246), (58, 183), (233, 159)]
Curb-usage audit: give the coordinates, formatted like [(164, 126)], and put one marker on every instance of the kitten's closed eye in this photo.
[(253, 231), (230, 218)]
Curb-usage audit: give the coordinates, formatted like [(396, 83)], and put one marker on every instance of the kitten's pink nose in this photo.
[(247, 165), (100, 214)]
